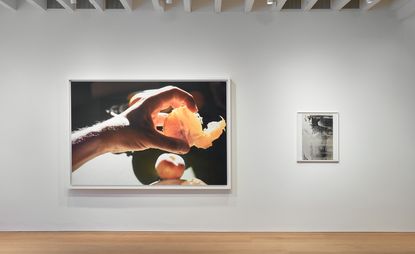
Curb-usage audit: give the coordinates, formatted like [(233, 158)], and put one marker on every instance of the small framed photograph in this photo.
[(318, 137)]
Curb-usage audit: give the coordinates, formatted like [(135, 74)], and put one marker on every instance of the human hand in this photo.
[(134, 129), (144, 115)]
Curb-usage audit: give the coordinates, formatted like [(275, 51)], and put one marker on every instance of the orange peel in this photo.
[(184, 124)]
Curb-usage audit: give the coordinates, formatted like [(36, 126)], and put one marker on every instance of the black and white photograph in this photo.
[(317, 137)]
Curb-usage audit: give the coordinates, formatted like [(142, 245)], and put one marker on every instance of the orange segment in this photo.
[(183, 124)]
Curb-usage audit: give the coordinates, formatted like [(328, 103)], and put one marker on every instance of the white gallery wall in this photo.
[(359, 64)]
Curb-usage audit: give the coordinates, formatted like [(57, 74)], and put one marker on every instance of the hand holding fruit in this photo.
[(134, 129)]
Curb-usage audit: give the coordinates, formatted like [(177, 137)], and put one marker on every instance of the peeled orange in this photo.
[(184, 124), (170, 166)]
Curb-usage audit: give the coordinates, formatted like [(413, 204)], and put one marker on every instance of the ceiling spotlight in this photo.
[(73, 1), (271, 2), (169, 1)]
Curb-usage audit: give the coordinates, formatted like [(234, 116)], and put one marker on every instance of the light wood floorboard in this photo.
[(216, 243)]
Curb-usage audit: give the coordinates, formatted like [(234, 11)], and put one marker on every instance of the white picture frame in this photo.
[(318, 136), (227, 133)]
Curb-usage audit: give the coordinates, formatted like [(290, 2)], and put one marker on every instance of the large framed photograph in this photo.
[(157, 134), (317, 137)]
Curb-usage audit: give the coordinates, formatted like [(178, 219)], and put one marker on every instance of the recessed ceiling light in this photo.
[(270, 2)]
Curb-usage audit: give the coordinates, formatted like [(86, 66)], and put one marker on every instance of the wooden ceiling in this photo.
[(402, 8)]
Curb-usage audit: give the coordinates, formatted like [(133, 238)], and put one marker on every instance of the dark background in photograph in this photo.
[(91, 103)]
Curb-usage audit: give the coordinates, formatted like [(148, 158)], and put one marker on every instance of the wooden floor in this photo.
[(185, 243)]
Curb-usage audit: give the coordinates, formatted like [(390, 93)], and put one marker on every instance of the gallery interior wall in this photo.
[(361, 65)]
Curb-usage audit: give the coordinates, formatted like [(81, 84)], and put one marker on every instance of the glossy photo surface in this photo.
[(124, 121)]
